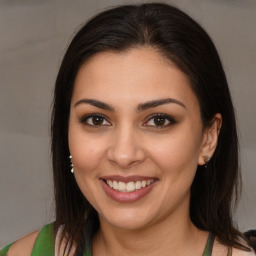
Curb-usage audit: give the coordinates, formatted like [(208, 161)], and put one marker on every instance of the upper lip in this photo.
[(128, 178)]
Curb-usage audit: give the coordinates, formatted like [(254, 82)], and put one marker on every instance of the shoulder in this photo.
[(236, 252), (23, 246), (221, 250)]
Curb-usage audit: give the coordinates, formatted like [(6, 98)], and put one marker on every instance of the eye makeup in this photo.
[(160, 120), (156, 120), (94, 120)]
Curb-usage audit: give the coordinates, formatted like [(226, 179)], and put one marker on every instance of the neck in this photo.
[(177, 236)]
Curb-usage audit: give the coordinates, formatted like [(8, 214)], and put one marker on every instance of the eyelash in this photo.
[(84, 120), (166, 118)]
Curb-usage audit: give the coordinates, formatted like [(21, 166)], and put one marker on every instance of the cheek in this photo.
[(86, 155), (85, 150), (177, 153)]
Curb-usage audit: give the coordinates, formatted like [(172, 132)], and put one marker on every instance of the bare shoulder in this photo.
[(222, 250), (236, 252), (24, 246)]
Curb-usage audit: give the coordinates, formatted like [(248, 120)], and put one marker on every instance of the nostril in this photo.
[(125, 156)]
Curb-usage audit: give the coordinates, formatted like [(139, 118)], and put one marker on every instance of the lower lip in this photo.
[(126, 196)]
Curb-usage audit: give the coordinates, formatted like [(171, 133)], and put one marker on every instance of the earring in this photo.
[(206, 160), (72, 168)]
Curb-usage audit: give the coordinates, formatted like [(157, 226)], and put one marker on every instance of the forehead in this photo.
[(137, 74)]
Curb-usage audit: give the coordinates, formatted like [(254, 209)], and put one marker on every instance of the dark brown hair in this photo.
[(182, 41)]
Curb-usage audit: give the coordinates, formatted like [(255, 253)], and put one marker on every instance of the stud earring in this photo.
[(206, 160), (72, 168)]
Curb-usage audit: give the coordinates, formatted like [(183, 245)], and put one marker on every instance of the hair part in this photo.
[(182, 41)]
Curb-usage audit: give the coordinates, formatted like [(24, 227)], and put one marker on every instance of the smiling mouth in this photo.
[(127, 187)]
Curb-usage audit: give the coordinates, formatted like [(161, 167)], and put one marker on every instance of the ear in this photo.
[(210, 140)]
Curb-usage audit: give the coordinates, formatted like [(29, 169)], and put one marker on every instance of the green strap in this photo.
[(209, 245), (87, 253), (4, 251), (44, 244)]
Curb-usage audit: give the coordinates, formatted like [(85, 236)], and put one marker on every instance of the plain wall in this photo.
[(33, 37)]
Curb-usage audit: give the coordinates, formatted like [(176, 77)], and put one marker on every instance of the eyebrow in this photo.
[(96, 103), (141, 107), (156, 103)]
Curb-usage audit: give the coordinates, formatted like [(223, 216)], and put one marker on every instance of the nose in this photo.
[(126, 149)]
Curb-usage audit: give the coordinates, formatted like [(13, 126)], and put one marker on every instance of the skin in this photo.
[(24, 246), (128, 142)]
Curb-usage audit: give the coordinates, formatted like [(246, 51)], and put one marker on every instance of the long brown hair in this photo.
[(180, 39)]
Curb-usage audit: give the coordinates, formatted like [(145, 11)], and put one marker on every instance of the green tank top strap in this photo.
[(4, 251), (209, 245), (44, 244)]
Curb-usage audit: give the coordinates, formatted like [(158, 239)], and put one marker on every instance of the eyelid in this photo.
[(168, 117), (87, 116)]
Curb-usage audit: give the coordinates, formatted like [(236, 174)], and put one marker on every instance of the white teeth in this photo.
[(110, 183), (138, 185), (115, 185), (130, 186), (121, 186)]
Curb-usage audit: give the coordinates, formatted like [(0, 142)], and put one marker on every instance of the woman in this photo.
[(144, 142)]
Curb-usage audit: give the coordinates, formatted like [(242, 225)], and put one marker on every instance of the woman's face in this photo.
[(135, 136)]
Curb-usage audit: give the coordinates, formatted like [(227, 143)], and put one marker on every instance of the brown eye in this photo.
[(95, 120), (160, 121)]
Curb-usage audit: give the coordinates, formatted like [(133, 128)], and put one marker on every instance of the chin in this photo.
[(126, 220)]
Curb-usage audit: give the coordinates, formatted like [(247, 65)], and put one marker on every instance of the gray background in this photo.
[(33, 37)]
